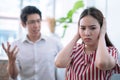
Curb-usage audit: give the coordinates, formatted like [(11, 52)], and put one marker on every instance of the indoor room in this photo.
[(60, 21)]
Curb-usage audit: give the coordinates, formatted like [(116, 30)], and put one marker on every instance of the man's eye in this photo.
[(32, 22)]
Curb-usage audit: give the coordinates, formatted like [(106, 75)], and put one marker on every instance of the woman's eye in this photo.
[(92, 28), (82, 28)]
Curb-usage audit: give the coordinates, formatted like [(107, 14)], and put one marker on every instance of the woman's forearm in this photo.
[(103, 60), (63, 57)]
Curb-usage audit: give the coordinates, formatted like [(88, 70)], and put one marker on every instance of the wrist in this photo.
[(77, 37), (102, 36), (11, 62)]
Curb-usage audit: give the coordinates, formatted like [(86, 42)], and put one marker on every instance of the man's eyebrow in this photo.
[(34, 19)]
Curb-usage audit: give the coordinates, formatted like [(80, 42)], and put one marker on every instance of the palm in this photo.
[(11, 53)]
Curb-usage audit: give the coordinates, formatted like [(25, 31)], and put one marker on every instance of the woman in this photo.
[(95, 58)]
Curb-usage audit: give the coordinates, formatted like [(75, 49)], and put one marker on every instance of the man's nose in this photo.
[(36, 23)]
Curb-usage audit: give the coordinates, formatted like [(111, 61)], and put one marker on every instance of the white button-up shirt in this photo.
[(35, 61)]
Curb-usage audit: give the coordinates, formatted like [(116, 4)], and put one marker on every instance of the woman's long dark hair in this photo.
[(97, 14)]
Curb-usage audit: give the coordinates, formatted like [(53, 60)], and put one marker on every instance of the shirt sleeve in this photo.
[(17, 65), (119, 59), (118, 63), (17, 61), (114, 52), (59, 44)]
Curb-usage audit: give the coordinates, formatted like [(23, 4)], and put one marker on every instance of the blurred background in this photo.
[(10, 26)]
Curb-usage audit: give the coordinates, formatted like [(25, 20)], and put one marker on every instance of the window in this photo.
[(10, 27)]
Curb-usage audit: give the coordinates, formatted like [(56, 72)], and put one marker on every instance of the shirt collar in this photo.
[(25, 38)]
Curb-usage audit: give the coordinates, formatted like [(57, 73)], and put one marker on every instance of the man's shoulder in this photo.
[(17, 41)]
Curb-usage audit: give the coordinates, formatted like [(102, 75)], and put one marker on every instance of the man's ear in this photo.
[(23, 24)]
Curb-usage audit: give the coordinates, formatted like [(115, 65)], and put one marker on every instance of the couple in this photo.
[(33, 57)]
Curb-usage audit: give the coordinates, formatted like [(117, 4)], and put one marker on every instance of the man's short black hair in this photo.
[(27, 11)]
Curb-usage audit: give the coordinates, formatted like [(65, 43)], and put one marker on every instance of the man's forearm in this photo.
[(12, 70)]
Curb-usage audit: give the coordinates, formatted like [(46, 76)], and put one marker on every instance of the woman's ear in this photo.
[(23, 24)]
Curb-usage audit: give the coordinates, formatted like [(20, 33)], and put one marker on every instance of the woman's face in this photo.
[(89, 30)]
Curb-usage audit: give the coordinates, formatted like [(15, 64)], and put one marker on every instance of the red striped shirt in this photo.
[(82, 66)]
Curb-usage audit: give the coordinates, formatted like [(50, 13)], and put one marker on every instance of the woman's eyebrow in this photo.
[(88, 26), (82, 26), (92, 25)]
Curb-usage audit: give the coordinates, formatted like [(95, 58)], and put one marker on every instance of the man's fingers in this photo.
[(3, 46), (8, 45), (16, 51), (11, 51)]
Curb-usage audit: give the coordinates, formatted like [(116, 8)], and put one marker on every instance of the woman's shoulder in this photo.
[(112, 48), (78, 46), (78, 49)]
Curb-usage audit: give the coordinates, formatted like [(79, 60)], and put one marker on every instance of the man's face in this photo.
[(33, 25)]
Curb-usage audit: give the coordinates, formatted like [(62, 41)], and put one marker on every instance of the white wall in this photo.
[(110, 9), (113, 21)]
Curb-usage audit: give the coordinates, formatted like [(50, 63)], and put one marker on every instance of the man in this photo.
[(33, 56)]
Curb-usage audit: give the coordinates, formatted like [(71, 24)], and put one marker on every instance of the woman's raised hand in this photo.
[(103, 28)]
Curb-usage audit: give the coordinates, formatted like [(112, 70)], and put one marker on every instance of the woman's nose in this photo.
[(87, 32)]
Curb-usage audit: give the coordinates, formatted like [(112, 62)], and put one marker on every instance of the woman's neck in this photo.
[(90, 49)]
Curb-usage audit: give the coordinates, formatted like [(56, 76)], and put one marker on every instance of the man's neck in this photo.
[(34, 38)]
